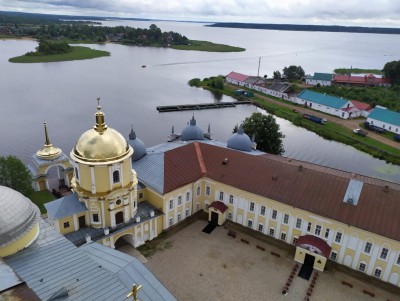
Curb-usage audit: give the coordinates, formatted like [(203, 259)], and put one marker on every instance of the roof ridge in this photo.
[(199, 156)]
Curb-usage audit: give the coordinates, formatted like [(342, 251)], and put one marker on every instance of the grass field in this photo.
[(207, 46), (77, 53), (357, 70), (40, 198)]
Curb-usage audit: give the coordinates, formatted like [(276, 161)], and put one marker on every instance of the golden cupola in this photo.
[(100, 144), (48, 152)]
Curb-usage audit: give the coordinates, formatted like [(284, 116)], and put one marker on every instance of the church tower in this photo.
[(103, 176)]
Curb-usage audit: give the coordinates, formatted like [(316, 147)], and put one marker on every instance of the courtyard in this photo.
[(197, 266)]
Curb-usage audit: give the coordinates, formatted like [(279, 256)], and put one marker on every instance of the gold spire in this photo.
[(100, 126), (134, 292), (48, 152)]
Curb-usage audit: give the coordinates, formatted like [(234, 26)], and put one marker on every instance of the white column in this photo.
[(278, 224), (121, 174), (235, 205), (267, 216), (141, 231), (330, 237), (389, 266), (151, 228), (290, 231), (155, 227), (166, 216), (103, 218), (126, 213), (255, 223), (112, 217), (112, 242), (343, 247), (93, 179), (357, 254), (76, 226), (175, 210), (110, 177), (244, 222), (374, 256)]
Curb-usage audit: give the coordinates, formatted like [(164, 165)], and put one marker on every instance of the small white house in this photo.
[(324, 79)]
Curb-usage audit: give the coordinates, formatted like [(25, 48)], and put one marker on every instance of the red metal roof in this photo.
[(219, 205), (314, 244), (237, 76), (361, 105), (315, 189), (360, 79)]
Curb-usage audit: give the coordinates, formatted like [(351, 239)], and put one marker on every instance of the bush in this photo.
[(194, 82)]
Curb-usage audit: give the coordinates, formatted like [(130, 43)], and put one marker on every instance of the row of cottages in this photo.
[(323, 79), (386, 119), (325, 214), (329, 104), (277, 89), (369, 80)]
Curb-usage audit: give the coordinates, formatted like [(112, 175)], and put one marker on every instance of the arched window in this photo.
[(116, 176)]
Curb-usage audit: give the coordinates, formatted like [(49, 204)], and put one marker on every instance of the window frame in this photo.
[(221, 196), (274, 214), (340, 234), (333, 255), (116, 177), (283, 236), (260, 225), (250, 223), (286, 219), (208, 190), (367, 247), (262, 210), (384, 251), (252, 206), (298, 223), (66, 225), (317, 230)]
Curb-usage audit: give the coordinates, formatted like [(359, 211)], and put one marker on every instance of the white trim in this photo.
[(391, 260), (93, 179), (102, 213), (76, 226), (357, 254)]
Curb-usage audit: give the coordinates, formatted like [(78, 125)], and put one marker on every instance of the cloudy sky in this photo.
[(382, 13)]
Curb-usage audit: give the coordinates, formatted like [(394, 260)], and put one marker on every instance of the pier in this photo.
[(201, 106)]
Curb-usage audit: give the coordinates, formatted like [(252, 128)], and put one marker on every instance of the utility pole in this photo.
[(259, 63)]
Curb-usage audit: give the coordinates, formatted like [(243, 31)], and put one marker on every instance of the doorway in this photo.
[(82, 222), (214, 218), (307, 267), (119, 217)]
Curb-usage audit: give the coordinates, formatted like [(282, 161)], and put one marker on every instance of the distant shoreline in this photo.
[(317, 28)]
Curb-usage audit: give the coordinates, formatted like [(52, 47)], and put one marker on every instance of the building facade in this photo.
[(386, 119)]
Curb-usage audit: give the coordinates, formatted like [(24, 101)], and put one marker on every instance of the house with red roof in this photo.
[(361, 108), (236, 78), (368, 80)]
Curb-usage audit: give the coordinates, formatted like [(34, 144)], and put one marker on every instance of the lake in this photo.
[(64, 94)]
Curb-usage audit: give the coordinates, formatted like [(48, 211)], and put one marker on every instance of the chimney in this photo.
[(275, 177), (300, 168), (225, 161), (88, 238), (386, 188)]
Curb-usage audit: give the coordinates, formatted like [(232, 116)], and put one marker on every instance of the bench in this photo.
[(244, 240), (275, 254), (347, 283), (232, 233), (368, 293), (261, 248)]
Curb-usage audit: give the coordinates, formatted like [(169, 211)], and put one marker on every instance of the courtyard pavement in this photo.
[(198, 266)]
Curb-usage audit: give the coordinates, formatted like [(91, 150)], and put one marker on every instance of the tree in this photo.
[(217, 83), (391, 70), (14, 174), (266, 131), (277, 75), (293, 72)]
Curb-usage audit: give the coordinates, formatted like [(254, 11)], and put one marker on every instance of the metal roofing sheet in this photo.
[(323, 76), (150, 170), (65, 206), (385, 115), (324, 99)]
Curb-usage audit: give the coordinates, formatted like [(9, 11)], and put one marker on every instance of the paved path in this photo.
[(348, 123)]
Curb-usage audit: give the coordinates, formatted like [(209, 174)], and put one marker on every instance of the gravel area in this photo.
[(200, 266)]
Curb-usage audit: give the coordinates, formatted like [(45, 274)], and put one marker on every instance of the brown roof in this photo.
[(314, 189), (315, 242), (219, 205)]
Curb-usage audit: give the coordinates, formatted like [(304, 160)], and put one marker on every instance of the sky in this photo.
[(379, 13)]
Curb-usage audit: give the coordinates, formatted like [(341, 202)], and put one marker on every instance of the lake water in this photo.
[(64, 94)]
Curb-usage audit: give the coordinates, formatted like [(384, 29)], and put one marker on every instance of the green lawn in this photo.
[(40, 198), (357, 70), (7, 37), (207, 46), (77, 53)]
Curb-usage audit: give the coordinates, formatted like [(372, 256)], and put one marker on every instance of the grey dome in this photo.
[(139, 149), (18, 215), (192, 131), (240, 141)]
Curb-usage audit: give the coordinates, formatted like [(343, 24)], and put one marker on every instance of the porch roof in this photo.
[(315, 244)]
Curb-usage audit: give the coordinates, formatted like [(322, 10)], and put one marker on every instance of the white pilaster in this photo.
[(93, 179), (267, 216), (155, 227), (76, 226), (359, 249), (290, 231), (255, 223), (246, 205), (110, 171), (279, 217), (103, 218), (126, 213), (235, 204), (343, 247), (374, 256), (386, 273), (112, 217)]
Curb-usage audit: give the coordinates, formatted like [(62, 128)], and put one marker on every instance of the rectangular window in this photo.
[(262, 211), (179, 200), (298, 223), (198, 192), (66, 225), (334, 255), (95, 218), (230, 216), (116, 176), (221, 196), (187, 196), (179, 217), (171, 204), (271, 231), (327, 233), (249, 223), (295, 240), (317, 230), (260, 227), (231, 199), (384, 253), (187, 212), (286, 219), (367, 248), (283, 236), (171, 221), (141, 195), (362, 267), (251, 207), (208, 190), (274, 214), (309, 227), (338, 237), (378, 273)]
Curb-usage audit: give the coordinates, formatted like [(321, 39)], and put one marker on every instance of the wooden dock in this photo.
[(201, 106)]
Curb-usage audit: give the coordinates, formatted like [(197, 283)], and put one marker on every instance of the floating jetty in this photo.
[(201, 106)]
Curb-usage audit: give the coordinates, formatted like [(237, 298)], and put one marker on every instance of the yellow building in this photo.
[(104, 205)]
